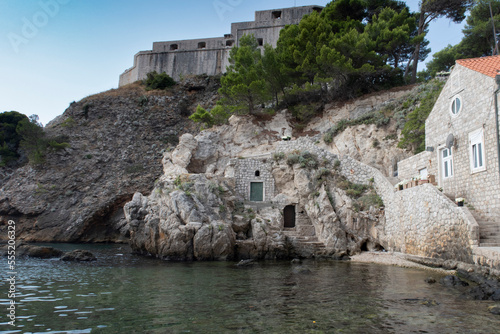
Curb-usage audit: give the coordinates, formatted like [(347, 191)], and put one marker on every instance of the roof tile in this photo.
[(489, 66)]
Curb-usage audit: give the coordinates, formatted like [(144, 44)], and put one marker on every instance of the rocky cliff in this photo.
[(201, 207), (117, 141), (200, 214)]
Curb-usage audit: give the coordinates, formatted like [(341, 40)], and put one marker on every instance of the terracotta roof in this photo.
[(489, 66)]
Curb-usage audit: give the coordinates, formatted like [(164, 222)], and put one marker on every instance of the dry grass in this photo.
[(134, 89)]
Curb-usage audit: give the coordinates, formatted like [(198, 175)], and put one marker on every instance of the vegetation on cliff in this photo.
[(350, 48), (22, 135)]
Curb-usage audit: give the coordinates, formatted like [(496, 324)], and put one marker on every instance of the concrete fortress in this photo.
[(211, 55)]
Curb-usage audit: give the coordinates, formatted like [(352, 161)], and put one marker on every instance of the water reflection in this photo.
[(125, 293)]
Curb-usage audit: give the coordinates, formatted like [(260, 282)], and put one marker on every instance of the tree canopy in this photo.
[(9, 138), (478, 39)]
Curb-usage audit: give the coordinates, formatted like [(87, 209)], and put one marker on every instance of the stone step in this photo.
[(490, 225), (306, 230), (489, 244), (489, 239)]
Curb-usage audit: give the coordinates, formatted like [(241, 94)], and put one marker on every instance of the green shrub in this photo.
[(58, 146), (413, 133), (277, 156), (369, 200), (156, 80), (143, 101), (68, 122), (323, 173), (292, 159), (308, 160)]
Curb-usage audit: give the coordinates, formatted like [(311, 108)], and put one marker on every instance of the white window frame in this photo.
[(446, 162), (477, 151), (452, 104)]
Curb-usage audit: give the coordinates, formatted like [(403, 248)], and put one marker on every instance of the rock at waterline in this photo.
[(78, 255), (430, 280), (301, 270), (42, 252), (452, 280), (495, 309), (245, 263)]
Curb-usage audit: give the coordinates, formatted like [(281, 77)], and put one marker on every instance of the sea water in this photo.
[(125, 293)]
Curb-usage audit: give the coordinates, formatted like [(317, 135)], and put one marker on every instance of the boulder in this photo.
[(39, 251), (78, 255)]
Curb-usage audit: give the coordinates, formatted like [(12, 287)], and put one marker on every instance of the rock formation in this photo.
[(117, 141), (197, 210)]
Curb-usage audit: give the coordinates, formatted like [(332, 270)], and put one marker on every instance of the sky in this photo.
[(54, 52)]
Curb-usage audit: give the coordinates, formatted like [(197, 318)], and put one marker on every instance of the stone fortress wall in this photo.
[(211, 55)]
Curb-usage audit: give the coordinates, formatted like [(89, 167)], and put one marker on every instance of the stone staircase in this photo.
[(304, 240), (489, 233)]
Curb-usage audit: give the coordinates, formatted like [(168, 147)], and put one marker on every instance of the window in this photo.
[(174, 47), (202, 45), (277, 15), (456, 105), (423, 174), (476, 144), (447, 162), (229, 42), (257, 173), (260, 41)]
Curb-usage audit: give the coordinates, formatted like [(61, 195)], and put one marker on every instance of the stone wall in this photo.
[(410, 167), (421, 220), (480, 189), (210, 55), (245, 173), (304, 144)]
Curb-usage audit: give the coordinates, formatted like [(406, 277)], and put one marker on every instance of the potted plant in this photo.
[(460, 201)]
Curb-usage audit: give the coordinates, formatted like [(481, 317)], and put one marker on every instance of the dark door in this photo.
[(289, 214), (256, 191)]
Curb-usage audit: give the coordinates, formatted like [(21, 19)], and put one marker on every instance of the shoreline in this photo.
[(395, 259)]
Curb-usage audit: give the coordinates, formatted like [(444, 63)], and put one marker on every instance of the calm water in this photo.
[(122, 293)]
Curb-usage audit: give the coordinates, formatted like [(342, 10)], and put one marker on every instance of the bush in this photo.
[(413, 133), (370, 200), (277, 156), (9, 138), (156, 80), (292, 159), (218, 115)]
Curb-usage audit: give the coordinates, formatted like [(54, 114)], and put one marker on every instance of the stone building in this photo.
[(461, 137), (254, 180), (211, 55)]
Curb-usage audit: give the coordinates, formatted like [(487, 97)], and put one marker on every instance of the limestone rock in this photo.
[(118, 139), (79, 255)]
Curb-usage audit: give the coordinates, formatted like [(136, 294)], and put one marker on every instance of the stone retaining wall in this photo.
[(411, 166), (420, 221)]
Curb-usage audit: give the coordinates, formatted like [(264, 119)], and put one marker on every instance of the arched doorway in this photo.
[(289, 214)]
